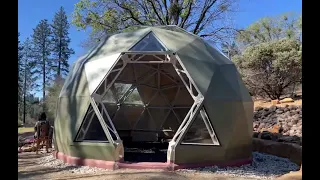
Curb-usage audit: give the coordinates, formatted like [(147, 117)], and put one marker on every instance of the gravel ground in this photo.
[(50, 161), (263, 167)]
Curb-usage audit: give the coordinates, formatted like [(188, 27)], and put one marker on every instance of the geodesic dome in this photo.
[(151, 84)]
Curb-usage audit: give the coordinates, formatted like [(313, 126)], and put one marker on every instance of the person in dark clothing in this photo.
[(41, 120), (43, 132)]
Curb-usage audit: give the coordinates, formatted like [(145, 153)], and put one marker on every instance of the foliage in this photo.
[(61, 41), (42, 48), (271, 28), (20, 78), (269, 68), (207, 18), (230, 49), (26, 74), (28, 67), (52, 97)]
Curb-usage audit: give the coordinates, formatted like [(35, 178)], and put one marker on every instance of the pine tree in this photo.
[(20, 73), (42, 48), (61, 41), (27, 74)]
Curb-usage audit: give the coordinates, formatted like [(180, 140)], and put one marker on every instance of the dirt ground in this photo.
[(29, 169)]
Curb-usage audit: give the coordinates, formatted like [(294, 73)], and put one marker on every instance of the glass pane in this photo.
[(91, 129), (198, 133), (146, 93), (121, 89), (145, 122), (171, 123), (134, 98), (109, 98), (95, 131), (148, 43), (111, 108), (158, 115), (183, 99), (159, 101), (170, 94), (127, 75), (181, 113)]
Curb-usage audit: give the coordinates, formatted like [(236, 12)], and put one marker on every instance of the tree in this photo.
[(27, 70), (42, 48), (61, 41), (20, 73), (206, 18), (230, 49), (270, 68), (269, 29), (52, 97)]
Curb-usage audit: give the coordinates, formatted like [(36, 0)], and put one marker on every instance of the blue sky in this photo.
[(30, 12)]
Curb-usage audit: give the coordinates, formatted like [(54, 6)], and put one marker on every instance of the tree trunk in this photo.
[(43, 81)]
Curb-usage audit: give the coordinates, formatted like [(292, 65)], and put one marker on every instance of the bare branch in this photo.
[(207, 5), (156, 12)]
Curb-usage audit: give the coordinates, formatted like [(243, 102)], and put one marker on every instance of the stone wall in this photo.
[(287, 120)]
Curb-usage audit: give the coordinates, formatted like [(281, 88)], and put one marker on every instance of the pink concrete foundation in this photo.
[(112, 165)]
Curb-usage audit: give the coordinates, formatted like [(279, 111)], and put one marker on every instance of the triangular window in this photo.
[(201, 131), (91, 129), (149, 43), (133, 98)]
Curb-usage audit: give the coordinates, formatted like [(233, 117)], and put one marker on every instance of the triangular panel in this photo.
[(146, 93), (148, 43), (145, 122), (91, 129), (183, 98), (200, 131), (96, 70), (166, 80), (170, 94), (132, 114), (134, 98), (171, 123), (109, 98), (120, 121), (159, 115), (127, 75), (159, 101), (121, 89), (181, 113)]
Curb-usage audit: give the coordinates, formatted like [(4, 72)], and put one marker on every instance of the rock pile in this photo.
[(288, 119)]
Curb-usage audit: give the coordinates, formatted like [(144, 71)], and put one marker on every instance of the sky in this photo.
[(30, 12)]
